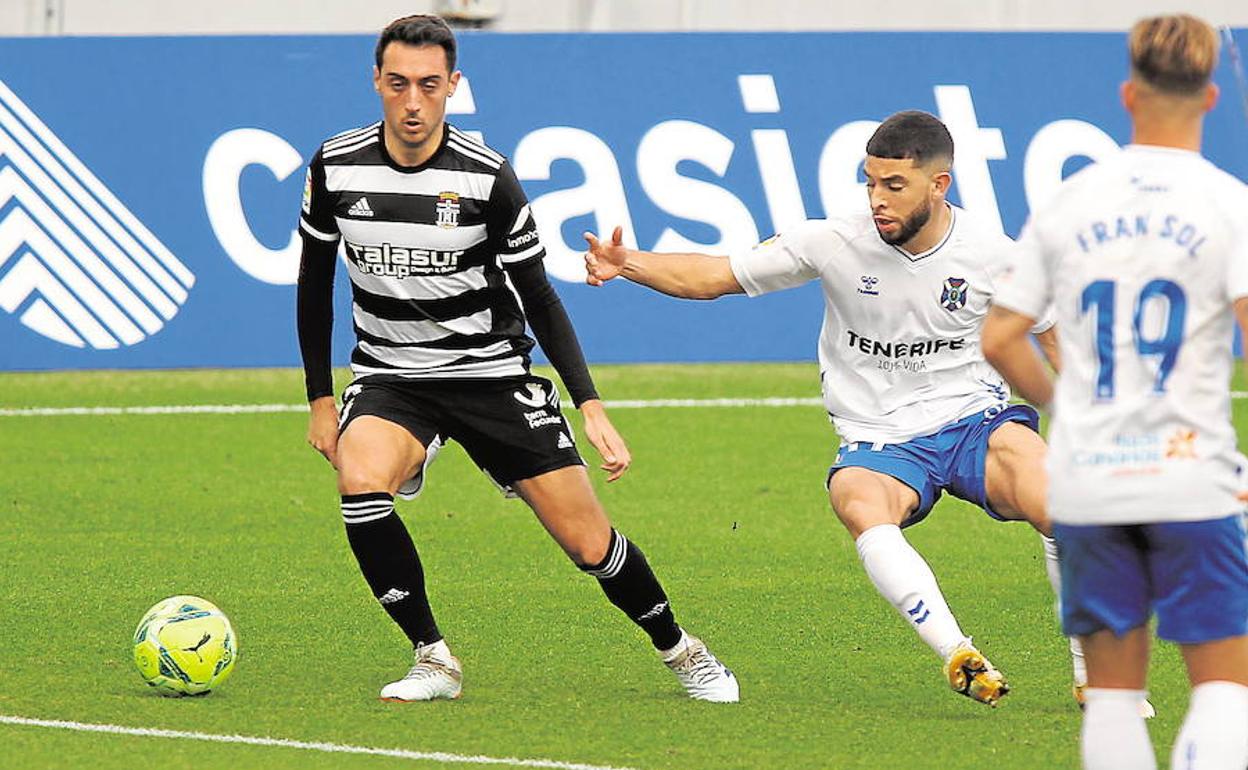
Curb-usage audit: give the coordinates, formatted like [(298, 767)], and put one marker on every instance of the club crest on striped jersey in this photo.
[(953, 297), (81, 268), (448, 209)]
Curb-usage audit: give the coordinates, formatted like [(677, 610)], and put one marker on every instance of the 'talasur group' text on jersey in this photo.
[(899, 353), (425, 248), (1142, 256)]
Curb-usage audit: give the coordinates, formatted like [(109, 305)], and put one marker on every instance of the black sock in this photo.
[(390, 563), (627, 581)]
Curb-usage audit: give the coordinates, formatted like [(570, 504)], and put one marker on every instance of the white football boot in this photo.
[(703, 676), (436, 674)]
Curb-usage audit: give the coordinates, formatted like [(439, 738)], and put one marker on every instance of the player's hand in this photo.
[(604, 261), (323, 428), (602, 434)]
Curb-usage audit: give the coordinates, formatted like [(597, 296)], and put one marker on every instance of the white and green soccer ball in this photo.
[(185, 646)]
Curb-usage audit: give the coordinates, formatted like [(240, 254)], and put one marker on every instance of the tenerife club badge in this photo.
[(953, 298)]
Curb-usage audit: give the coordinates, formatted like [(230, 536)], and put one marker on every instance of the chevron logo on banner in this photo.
[(75, 264)]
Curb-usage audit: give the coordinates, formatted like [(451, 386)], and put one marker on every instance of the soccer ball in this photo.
[(185, 646)]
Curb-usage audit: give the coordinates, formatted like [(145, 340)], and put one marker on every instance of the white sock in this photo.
[(680, 646), (1114, 736), (903, 578), (1051, 568), (1215, 732)]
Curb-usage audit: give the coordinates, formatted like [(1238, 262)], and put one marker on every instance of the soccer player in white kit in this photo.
[(907, 282), (1145, 259)]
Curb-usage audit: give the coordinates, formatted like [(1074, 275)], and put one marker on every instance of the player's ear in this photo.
[(1127, 93), (941, 182), (376, 79), (1211, 96), (453, 82)]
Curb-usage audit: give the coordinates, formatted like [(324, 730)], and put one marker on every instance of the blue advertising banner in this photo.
[(149, 187)]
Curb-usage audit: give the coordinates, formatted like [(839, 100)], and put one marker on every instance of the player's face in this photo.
[(902, 194), (414, 83)]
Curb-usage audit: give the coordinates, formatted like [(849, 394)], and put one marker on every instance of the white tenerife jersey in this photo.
[(1142, 256), (899, 353)]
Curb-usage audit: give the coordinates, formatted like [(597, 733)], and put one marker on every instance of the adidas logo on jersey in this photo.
[(360, 208), (564, 441), (77, 265), (393, 595)]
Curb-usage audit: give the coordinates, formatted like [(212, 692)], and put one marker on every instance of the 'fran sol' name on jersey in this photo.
[(426, 249)]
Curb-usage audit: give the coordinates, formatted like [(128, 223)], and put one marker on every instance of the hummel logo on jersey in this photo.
[(564, 441), (84, 269), (393, 595), (360, 208), (868, 285)]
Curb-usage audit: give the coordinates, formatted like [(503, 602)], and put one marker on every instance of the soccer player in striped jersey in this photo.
[(1144, 256), (434, 224), (907, 281)]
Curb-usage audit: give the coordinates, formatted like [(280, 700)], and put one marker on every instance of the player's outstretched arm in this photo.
[(1008, 349), (691, 276)]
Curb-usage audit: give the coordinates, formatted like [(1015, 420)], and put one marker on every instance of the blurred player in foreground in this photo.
[(435, 226), (907, 282), (1145, 259)]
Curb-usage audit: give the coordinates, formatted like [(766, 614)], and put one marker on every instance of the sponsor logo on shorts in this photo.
[(542, 418), (535, 398)]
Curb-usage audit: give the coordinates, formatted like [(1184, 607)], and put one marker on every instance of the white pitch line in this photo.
[(333, 748), (274, 408)]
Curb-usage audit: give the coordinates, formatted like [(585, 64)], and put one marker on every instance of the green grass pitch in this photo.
[(104, 515)]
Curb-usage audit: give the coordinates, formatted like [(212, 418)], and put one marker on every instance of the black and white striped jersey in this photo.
[(426, 248)]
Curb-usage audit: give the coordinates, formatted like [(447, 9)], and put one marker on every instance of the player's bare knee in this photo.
[(587, 549), (359, 478)]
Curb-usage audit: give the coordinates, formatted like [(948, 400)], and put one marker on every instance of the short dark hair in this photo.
[(421, 29), (914, 135)]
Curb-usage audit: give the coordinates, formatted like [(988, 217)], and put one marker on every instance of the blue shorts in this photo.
[(950, 459), (1193, 574)]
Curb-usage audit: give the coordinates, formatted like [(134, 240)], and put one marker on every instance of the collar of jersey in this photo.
[(385, 154), (1163, 150), (953, 220)]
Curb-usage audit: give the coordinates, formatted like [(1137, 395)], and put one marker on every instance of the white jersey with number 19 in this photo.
[(899, 355), (1142, 256)]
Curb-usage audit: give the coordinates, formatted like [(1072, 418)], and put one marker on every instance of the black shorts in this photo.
[(511, 427)]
